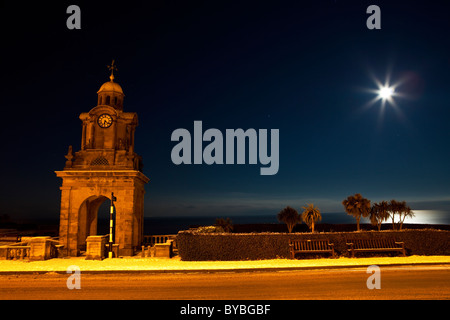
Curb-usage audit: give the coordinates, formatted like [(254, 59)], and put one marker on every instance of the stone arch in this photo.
[(88, 218), (82, 194)]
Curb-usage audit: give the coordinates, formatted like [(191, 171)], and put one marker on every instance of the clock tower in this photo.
[(105, 164)]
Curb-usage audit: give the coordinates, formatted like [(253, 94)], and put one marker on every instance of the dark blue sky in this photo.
[(303, 67)]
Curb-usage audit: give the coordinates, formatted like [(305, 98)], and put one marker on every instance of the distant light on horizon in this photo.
[(426, 217)]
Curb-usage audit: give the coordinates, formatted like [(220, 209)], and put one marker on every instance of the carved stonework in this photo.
[(69, 157)]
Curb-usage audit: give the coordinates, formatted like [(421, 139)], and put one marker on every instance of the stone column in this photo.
[(64, 218), (124, 223)]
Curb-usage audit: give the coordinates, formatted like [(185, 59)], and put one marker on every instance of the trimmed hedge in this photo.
[(194, 246)]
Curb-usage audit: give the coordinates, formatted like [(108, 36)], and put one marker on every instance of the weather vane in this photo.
[(112, 68)]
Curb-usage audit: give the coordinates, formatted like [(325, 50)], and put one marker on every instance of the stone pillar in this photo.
[(163, 250), (40, 248), (95, 247), (64, 218), (127, 228)]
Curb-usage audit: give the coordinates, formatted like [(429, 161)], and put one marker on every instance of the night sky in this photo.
[(306, 68)]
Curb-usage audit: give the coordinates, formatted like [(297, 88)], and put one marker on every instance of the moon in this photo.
[(386, 93)]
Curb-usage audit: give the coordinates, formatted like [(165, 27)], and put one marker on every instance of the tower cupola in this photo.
[(111, 93)]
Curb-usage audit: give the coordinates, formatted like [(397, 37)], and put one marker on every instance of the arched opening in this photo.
[(94, 215), (108, 99)]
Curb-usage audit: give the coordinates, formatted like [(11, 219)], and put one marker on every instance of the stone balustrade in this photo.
[(17, 252), (160, 246), (36, 248)]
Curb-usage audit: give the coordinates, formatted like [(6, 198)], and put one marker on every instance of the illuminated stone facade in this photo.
[(106, 163)]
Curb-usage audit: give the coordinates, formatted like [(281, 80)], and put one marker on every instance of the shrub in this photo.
[(195, 246), (225, 224), (210, 229)]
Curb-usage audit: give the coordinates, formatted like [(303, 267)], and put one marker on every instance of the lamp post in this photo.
[(111, 222)]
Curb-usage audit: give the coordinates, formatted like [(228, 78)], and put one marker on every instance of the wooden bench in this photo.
[(10, 238), (374, 245), (310, 246)]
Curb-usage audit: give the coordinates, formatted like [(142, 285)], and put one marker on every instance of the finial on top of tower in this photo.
[(112, 67)]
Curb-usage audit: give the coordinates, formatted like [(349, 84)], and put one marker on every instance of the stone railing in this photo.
[(160, 246), (36, 248), (13, 252), (154, 239)]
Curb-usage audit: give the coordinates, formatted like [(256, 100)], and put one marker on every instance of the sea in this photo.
[(172, 225)]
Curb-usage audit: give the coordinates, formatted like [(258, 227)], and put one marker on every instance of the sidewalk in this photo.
[(175, 265)]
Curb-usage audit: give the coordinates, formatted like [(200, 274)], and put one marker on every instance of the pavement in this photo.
[(393, 283), (176, 265)]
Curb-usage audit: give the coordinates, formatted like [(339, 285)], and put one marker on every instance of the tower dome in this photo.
[(111, 87), (111, 93)]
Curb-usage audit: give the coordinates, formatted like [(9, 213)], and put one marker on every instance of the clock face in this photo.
[(105, 121)]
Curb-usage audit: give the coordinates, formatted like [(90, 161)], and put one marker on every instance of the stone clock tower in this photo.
[(106, 163)]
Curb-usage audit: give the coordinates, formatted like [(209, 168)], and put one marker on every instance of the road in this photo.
[(419, 282)]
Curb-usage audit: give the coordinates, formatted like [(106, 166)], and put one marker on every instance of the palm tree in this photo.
[(289, 216), (357, 206), (395, 208), (310, 215), (405, 212), (379, 213)]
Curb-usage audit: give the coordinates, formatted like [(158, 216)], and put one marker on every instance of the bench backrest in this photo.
[(300, 245), (373, 243), (10, 238)]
